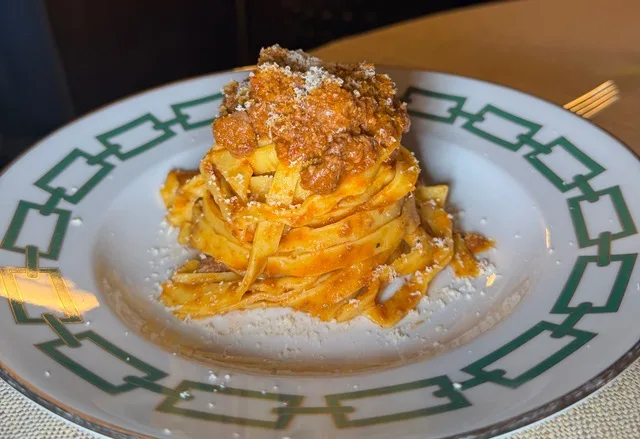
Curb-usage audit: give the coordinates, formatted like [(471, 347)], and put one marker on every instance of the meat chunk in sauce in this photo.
[(235, 133), (210, 265)]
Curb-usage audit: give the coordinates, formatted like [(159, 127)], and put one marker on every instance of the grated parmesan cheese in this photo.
[(439, 242)]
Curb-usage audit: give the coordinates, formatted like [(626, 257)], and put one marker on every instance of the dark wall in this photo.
[(62, 58), (113, 48), (310, 23)]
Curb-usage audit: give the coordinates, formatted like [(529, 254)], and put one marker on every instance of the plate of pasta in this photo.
[(307, 249)]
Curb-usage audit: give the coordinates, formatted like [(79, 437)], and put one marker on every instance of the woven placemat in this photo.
[(612, 413), (21, 418)]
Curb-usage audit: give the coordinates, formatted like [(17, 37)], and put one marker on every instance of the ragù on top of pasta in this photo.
[(329, 119), (308, 200)]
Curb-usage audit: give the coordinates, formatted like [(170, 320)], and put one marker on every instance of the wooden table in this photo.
[(553, 49)]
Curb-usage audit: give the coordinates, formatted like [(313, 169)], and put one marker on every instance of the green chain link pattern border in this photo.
[(111, 147), (449, 393)]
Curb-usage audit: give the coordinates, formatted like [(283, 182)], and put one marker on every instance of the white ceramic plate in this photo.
[(84, 247)]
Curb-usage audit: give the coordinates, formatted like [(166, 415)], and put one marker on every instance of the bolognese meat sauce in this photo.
[(329, 119)]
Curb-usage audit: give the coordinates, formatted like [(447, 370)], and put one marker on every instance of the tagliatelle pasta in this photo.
[(316, 228)]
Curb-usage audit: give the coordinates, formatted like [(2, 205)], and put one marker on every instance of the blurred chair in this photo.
[(34, 98)]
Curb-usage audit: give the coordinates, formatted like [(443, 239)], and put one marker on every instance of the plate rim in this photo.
[(546, 410)]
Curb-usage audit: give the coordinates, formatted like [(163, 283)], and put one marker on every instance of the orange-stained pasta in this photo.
[(317, 231)]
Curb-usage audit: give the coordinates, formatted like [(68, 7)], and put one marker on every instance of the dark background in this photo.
[(62, 58)]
